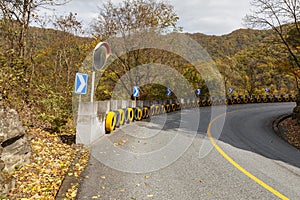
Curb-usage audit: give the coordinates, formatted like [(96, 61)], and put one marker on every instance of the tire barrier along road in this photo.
[(115, 119), (110, 122)]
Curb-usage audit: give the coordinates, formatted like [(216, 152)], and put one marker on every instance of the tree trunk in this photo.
[(296, 111)]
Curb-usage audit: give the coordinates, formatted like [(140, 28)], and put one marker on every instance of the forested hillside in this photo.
[(41, 87), (250, 61)]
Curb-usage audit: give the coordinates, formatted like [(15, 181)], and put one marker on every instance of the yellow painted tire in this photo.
[(287, 99), (110, 122), (130, 115), (168, 108), (163, 109), (141, 113), (226, 101), (157, 108), (122, 116), (173, 107), (192, 104), (137, 115), (279, 99), (188, 104), (178, 106), (209, 102), (145, 113), (152, 110)]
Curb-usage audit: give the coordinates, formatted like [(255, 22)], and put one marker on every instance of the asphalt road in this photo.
[(172, 157)]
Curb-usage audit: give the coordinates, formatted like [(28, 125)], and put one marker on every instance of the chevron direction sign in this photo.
[(81, 83), (267, 90), (168, 92), (136, 91)]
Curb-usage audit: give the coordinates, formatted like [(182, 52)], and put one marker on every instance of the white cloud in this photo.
[(211, 16), (206, 16)]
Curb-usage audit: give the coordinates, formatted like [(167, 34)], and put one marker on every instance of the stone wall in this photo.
[(14, 147)]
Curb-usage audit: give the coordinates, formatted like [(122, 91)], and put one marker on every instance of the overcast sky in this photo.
[(213, 17)]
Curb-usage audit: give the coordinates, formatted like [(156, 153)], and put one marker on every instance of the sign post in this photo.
[(169, 93)]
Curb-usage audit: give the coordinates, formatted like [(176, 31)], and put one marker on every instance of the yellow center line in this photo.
[(235, 164)]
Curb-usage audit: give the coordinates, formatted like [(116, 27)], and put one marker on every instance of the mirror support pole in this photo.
[(93, 86)]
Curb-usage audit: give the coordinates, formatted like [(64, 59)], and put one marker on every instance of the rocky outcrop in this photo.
[(14, 147)]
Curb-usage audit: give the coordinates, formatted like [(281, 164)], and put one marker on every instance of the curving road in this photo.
[(248, 161)]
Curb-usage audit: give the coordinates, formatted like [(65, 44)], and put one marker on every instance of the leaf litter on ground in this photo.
[(49, 164)]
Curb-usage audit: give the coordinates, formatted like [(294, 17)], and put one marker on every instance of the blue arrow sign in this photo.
[(198, 92), (267, 90), (136, 91), (81, 83), (169, 92), (230, 90)]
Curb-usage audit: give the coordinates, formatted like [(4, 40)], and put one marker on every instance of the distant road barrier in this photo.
[(143, 113), (99, 118)]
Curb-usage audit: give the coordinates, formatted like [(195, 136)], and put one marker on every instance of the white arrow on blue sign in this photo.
[(136, 90), (81, 83), (169, 92), (267, 89), (230, 90), (198, 92)]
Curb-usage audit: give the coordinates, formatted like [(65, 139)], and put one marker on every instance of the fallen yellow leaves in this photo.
[(292, 131), (103, 177), (50, 161), (120, 142)]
